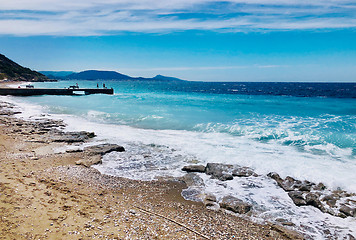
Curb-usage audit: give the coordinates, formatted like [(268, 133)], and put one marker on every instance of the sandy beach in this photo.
[(46, 194)]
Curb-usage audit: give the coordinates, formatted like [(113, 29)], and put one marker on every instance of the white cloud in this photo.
[(102, 17)]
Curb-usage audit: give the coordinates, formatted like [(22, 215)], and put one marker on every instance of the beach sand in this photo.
[(45, 195)]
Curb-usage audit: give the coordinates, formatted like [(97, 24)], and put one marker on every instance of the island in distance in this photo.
[(12, 71), (101, 75)]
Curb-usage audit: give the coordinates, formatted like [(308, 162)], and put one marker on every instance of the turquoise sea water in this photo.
[(307, 131), (304, 122)]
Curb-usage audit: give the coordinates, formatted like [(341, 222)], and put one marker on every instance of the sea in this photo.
[(303, 130)]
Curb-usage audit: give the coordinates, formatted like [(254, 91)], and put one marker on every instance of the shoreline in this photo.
[(76, 201)]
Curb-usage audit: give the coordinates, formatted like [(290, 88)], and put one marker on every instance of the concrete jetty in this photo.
[(54, 91)]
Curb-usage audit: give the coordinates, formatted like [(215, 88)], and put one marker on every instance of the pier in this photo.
[(54, 91)]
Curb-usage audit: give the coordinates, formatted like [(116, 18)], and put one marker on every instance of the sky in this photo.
[(197, 40)]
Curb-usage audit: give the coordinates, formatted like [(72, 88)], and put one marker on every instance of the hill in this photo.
[(56, 74), (9, 70), (95, 75), (165, 78), (102, 75)]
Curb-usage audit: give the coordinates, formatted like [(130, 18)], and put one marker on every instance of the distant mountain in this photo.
[(96, 75), (9, 70), (165, 78), (57, 74), (103, 75)]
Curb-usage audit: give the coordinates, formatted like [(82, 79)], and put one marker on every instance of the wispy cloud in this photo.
[(104, 17)]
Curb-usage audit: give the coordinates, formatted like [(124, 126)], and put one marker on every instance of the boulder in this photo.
[(219, 171), (234, 204), (88, 161), (275, 176), (285, 185), (290, 184), (305, 186), (243, 172), (217, 168), (103, 149), (348, 211), (297, 198), (330, 200), (194, 168), (192, 179), (312, 199)]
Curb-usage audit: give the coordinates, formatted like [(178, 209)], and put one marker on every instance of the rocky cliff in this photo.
[(9, 70)]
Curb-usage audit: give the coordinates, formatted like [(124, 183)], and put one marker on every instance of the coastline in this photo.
[(47, 195)]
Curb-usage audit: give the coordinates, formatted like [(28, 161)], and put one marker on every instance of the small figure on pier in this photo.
[(104, 85), (97, 85)]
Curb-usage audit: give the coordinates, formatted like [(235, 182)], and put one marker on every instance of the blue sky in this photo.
[(200, 40)]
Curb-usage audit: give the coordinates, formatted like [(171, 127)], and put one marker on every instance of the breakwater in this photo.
[(54, 91)]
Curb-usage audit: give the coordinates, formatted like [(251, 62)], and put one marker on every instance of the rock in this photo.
[(194, 168), (132, 211), (88, 161), (192, 179), (193, 194), (70, 137), (279, 180), (103, 149), (243, 172), (288, 234), (225, 177), (210, 197), (219, 171), (91, 135), (8, 113), (217, 168), (74, 150), (348, 211), (312, 199), (306, 186), (340, 214), (297, 198), (350, 237), (290, 184), (275, 176), (234, 204), (285, 222), (210, 200), (330, 200)]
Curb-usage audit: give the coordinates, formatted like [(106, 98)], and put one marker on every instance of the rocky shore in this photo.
[(303, 193), (51, 194)]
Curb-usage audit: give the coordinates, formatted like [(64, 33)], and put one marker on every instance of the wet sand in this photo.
[(46, 195)]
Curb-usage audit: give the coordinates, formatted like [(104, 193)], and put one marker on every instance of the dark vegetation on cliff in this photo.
[(14, 72)]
